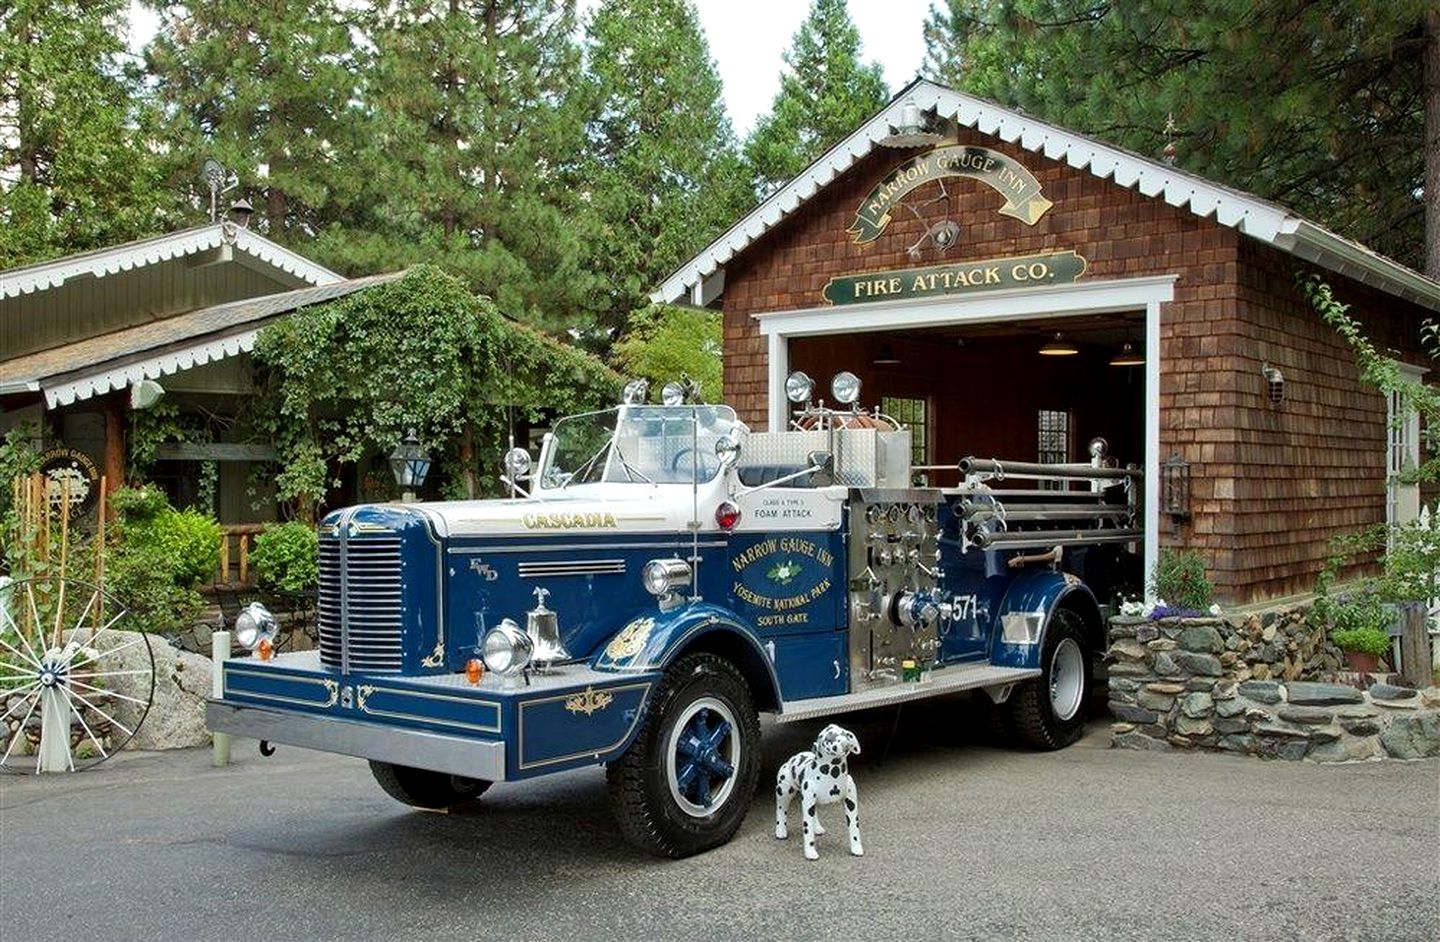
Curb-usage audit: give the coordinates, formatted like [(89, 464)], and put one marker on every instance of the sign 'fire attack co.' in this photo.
[(1027, 271)]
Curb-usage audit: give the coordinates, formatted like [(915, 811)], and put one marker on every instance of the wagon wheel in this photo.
[(76, 676)]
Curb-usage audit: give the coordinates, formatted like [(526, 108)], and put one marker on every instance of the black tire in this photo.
[(650, 816), (1030, 709), (422, 788)]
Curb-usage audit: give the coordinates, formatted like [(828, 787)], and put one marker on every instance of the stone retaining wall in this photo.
[(1259, 685)]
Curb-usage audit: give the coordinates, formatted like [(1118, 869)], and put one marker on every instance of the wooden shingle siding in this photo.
[(1270, 484)]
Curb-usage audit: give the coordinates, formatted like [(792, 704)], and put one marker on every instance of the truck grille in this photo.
[(359, 610)]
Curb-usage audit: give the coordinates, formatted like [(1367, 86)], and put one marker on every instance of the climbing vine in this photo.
[(342, 382), (1380, 372)]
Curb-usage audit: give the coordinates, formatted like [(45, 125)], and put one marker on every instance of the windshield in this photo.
[(638, 444)]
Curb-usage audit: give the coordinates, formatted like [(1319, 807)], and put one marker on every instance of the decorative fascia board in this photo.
[(109, 261), (76, 388), (1251, 215), (162, 248)]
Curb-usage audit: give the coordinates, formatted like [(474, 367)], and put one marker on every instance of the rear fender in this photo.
[(652, 641), (1023, 618)]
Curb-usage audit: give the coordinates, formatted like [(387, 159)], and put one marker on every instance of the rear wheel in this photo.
[(686, 782), (1049, 712), (423, 788)]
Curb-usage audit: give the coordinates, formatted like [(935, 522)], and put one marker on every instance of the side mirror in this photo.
[(824, 464)]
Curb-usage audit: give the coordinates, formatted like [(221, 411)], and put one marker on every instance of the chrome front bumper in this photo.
[(414, 748)]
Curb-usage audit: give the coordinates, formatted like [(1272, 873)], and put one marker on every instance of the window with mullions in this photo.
[(1054, 441), (914, 415)]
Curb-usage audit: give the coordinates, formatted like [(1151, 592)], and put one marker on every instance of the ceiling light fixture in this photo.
[(1127, 356), (885, 357), (1058, 346)]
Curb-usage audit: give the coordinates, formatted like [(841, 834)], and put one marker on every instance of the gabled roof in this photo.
[(1260, 219), (118, 258), (97, 365)]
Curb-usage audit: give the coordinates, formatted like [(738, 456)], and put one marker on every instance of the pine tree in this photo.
[(664, 172), (469, 153), (75, 171), (825, 94), (1317, 105), (267, 90)]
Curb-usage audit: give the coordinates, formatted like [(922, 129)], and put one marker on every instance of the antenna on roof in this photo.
[(219, 181)]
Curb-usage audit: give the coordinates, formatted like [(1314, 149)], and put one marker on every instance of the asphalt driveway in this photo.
[(963, 841)]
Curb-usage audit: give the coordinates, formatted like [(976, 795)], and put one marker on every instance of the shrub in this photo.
[(158, 557), (1374, 641), (285, 558), (1180, 580)]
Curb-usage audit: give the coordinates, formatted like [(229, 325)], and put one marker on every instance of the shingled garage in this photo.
[(935, 252)]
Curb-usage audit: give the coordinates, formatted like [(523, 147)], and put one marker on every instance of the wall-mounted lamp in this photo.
[(885, 357), (1058, 346), (1175, 488), (1274, 382)]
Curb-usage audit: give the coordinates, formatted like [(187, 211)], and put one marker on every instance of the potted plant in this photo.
[(1359, 627)]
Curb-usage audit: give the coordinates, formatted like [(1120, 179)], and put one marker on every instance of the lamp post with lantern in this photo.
[(410, 463)]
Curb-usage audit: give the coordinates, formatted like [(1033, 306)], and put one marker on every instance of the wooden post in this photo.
[(224, 576), (1415, 663), (245, 558), (113, 470)]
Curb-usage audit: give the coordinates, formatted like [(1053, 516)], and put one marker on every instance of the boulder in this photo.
[(1379, 691), (1196, 704), (1131, 714), (1138, 740), (1306, 693), (1416, 736), (1306, 716), (1263, 691), (1202, 638), (1206, 665), (182, 683)]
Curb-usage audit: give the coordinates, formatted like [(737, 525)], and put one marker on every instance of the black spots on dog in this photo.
[(835, 789), (850, 805)]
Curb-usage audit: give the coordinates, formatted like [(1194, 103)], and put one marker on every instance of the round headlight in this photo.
[(845, 387), (798, 387), (255, 624), (506, 648), (517, 463), (635, 392), (663, 576), (672, 394)]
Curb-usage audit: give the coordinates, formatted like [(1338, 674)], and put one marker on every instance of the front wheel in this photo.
[(1049, 712), (687, 780), (422, 788)]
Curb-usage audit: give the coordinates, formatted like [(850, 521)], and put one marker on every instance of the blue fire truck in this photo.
[(662, 576)]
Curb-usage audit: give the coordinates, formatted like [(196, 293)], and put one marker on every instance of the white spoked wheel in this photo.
[(76, 679)]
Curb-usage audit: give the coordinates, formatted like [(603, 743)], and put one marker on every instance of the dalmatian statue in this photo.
[(819, 777)]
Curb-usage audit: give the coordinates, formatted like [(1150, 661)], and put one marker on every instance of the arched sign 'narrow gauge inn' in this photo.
[(1168, 306)]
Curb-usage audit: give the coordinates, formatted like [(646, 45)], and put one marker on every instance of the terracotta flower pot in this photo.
[(1361, 662)]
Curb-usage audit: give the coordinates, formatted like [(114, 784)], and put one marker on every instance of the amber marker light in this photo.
[(474, 671), (266, 649)]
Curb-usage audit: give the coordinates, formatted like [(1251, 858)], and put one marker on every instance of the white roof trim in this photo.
[(1251, 215), (165, 364), (120, 258)]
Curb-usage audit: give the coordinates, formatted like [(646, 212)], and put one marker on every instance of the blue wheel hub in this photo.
[(704, 750)]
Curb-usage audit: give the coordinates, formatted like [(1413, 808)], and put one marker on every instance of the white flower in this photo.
[(1132, 608), (1215, 609)]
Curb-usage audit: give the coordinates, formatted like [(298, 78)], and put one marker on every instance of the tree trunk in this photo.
[(1431, 54), (467, 461)]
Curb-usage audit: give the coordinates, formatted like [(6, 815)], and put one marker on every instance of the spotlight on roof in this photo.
[(913, 129)]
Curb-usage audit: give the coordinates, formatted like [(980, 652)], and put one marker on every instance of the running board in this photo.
[(941, 681)]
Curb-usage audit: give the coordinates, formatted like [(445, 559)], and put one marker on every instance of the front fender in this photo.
[(652, 641), (1037, 592)]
